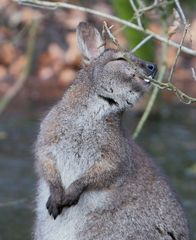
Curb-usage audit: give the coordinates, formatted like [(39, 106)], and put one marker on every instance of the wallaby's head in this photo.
[(117, 79)]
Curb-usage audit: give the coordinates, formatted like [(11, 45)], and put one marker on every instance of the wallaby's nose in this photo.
[(151, 69)]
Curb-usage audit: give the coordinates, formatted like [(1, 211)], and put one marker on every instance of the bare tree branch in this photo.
[(55, 5), (183, 97), (178, 52), (139, 22), (181, 12), (140, 44)]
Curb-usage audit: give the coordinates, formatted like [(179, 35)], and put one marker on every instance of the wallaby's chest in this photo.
[(81, 148), (77, 152)]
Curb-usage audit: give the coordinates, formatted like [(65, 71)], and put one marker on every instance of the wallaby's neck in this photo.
[(87, 106)]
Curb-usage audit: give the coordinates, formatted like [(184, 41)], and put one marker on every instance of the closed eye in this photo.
[(121, 58), (117, 59)]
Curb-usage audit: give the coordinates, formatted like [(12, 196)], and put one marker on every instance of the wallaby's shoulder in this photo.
[(51, 126), (57, 121)]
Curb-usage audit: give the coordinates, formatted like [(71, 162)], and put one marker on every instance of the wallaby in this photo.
[(94, 182)]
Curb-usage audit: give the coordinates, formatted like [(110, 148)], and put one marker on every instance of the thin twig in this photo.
[(140, 44), (181, 12), (15, 89), (156, 4), (155, 91), (46, 4), (150, 104), (183, 97), (140, 3), (178, 52), (18, 36), (111, 36), (139, 22), (193, 73)]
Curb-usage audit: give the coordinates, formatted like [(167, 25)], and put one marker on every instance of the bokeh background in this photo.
[(39, 59)]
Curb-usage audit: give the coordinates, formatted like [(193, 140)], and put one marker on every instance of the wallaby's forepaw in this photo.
[(54, 207), (70, 199), (72, 193), (55, 201), (61, 198)]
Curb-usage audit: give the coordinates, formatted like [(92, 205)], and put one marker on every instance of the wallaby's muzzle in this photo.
[(149, 68)]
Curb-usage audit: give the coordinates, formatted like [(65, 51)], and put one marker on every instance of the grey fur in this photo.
[(94, 182)]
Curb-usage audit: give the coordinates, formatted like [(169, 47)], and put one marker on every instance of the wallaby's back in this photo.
[(94, 182)]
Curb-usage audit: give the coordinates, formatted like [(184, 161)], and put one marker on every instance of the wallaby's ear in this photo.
[(89, 41)]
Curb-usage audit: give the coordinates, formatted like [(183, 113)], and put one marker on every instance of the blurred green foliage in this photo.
[(189, 4), (124, 10)]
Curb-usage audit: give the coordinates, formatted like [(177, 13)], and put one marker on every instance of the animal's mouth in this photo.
[(147, 80)]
